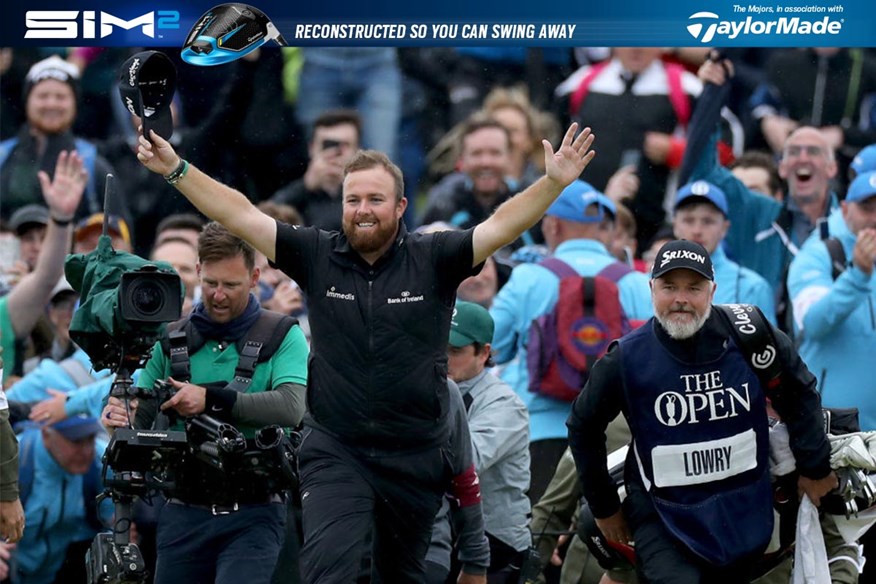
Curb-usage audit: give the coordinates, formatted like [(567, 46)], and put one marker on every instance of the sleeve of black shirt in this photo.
[(453, 254), (295, 249), (799, 405), (596, 406)]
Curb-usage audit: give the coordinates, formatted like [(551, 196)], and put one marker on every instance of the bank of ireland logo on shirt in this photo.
[(707, 20)]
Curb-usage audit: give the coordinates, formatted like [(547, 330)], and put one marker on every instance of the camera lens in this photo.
[(148, 298)]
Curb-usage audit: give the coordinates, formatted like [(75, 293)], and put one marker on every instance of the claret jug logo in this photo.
[(73, 24)]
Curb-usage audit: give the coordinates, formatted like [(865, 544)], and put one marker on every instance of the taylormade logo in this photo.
[(705, 25)]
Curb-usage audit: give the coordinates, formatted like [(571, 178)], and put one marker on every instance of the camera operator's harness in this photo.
[(258, 345), (273, 463)]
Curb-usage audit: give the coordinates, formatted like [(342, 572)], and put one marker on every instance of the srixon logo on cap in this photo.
[(681, 254)]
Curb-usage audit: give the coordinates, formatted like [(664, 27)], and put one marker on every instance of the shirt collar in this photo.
[(580, 245), (467, 385)]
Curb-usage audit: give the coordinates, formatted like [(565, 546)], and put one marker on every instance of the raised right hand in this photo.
[(156, 154)]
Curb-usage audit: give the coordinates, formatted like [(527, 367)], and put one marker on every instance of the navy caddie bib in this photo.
[(701, 441)]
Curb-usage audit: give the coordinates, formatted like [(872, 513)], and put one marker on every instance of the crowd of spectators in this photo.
[(767, 160)]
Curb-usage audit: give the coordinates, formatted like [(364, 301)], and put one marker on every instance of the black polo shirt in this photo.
[(378, 360)]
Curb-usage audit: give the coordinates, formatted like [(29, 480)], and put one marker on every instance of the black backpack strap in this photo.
[(181, 340), (259, 345), (755, 338), (180, 365), (837, 256)]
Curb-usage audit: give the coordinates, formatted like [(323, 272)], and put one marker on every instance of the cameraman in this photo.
[(221, 528)]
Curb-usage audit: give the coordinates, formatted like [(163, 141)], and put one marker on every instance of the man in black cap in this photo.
[(29, 226), (699, 500)]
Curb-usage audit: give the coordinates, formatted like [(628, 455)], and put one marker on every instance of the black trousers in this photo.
[(662, 559), (349, 492)]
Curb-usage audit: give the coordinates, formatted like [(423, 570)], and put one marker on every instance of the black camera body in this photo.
[(132, 450), (110, 563)]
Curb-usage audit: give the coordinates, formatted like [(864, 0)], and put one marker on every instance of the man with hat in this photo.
[(700, 215), (499, 427), (59, 476), (50, 94), (29, 225), (864, 161), (578, 228), (88, 231), (699, 499), (833, 304)]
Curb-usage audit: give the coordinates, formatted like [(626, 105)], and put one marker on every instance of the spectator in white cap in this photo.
[(50, 93), (700, 215)]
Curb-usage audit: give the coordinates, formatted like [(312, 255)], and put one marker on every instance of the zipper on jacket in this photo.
[(370, 315)]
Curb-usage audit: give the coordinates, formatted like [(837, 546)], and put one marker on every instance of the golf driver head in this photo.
[(227, 32)]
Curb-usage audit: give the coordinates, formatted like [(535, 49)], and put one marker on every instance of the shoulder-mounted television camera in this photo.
[(125, 303)]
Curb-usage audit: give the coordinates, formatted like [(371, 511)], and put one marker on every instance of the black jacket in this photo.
[(378, 363)]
